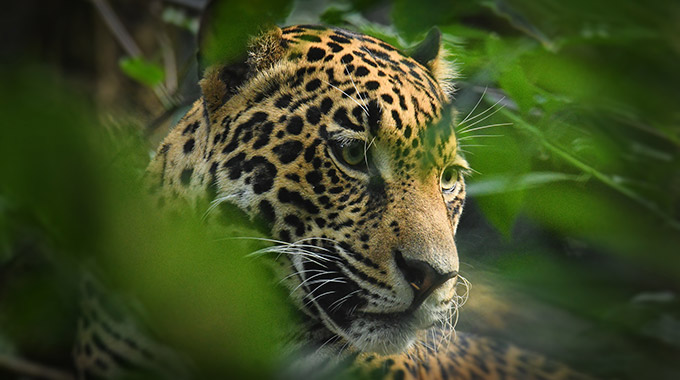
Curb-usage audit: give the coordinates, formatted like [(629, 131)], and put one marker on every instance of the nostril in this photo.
[(421, 276)]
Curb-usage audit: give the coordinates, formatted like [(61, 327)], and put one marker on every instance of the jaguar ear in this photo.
[(430, 54), (427, 50), (222, 75), (229, 56)]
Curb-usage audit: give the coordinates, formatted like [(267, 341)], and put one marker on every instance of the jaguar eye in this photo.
[(353, 153), (449, 179)]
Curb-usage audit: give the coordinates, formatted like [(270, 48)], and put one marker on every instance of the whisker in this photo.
[(476, 136), (487, 116), (365, 107), (317, 297), (342, 300), (476, 105), (214, 203), (348, 95), (468, 130)]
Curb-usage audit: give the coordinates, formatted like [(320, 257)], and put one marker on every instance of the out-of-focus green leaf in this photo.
[(228, 26), (504, 158), (143, 71), (496, 184), (178, 17), (413, 18)]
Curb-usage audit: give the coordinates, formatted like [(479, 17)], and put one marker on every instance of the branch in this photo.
[(117, 28)]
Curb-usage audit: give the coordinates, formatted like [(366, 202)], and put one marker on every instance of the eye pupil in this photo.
[(449, 179), (353, 153)]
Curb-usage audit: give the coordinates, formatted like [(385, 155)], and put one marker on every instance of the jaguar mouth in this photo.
[(340, 303), (382, 333)]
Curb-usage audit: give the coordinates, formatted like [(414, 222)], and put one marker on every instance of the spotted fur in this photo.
[(370, 252)]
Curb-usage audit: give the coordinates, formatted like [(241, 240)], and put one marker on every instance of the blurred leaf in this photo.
[(228, 26), (500, 205), (413, 18), (496, 184), (145, 72), (180, 18)]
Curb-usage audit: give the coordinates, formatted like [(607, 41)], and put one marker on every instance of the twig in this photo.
[(125, 40), (27, 368), (169, 63), (117, 28)]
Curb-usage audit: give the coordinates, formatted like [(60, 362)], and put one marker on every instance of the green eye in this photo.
[(353, 153), (449, 179)]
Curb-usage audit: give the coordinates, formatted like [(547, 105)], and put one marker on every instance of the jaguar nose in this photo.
[(422, 278)]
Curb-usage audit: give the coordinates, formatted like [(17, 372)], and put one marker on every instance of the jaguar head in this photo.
[(345, 146)]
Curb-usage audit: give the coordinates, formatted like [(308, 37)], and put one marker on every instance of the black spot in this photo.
[(343, 120), (326, 105), (387, 98), (374, 116), (314, 177), (335, 47), (314, 54), (294, 125), (361, 71), (372, 85), (296, 80), (284, 235), (296, 223), (288, 151), (397, 119), (313, 115), (263, 173), (234, 165), (191, 128), (347, 58), (283, 101), (264, 132), (294, 198), (309, 152), (379, 54), (185, 177), (407, 131), (267, 211), (257, 118), (358, 112), (189, 146), (339, 39), (313, 84), (293, 177)]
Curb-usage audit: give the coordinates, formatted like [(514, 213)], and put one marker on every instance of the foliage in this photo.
[(567, 114)]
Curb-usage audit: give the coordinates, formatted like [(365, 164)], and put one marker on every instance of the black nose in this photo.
[(422, 277)]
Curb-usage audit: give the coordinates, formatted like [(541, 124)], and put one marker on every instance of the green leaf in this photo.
[(227, 26), (499, 184), (145, 72)]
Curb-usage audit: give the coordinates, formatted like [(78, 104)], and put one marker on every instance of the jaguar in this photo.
[(344, 148)]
